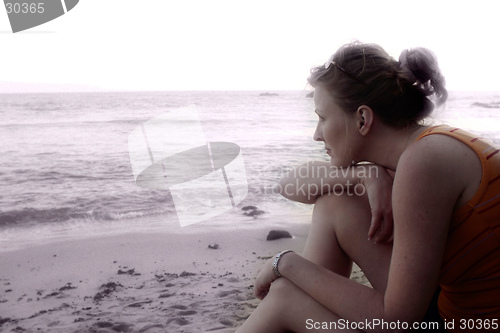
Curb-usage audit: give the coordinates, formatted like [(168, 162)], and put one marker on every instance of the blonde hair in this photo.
[(401, 92)]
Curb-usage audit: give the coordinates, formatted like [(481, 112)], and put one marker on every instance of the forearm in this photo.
[(313, 179), (350, 300)]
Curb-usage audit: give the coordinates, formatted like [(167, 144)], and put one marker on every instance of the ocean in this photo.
[(65, 164)]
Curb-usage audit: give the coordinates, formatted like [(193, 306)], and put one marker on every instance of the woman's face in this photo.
[(333, 128)]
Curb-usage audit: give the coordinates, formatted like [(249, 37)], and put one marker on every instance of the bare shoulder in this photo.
[(445, 162)]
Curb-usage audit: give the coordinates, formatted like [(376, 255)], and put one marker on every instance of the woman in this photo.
[(436, 224)]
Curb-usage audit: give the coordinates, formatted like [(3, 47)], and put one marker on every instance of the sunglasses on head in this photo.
[(332, 62)]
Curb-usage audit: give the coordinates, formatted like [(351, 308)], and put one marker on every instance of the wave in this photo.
[(34, 216), (492, 105), (69, 121)]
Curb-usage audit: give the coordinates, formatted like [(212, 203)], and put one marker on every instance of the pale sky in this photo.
[(240, 45)]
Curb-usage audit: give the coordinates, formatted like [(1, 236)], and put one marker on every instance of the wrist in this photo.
[(276, 263), (367, 172)]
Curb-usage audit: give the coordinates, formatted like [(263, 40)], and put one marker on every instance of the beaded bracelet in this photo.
[(277, 260)]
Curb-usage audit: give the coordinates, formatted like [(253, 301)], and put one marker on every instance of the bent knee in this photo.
[(334, 204), (347, 215)]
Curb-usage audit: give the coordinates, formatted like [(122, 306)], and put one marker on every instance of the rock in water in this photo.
[(277, 234), (254, 213)]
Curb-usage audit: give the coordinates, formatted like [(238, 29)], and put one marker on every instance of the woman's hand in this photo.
[(264, 279), (379, 190)]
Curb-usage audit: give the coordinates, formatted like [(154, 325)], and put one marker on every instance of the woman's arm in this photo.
[(313, 179), (427, 187)]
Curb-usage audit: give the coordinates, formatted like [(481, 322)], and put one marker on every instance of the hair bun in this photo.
[(420, 67), (405, 68)]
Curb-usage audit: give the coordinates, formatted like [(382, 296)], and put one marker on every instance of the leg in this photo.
[(322, 246), (338, 236), (286, 309), (351, 217)]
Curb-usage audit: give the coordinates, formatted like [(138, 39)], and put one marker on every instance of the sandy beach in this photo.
[(139, 281)]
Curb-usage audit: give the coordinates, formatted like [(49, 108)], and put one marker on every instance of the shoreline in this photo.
[(13, 238)]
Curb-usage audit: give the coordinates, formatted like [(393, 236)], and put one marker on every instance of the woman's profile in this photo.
[(425, 230)]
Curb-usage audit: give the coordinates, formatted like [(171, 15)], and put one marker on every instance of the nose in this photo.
[(318, 135)]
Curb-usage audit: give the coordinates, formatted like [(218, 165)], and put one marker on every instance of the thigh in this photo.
[(339, 236)]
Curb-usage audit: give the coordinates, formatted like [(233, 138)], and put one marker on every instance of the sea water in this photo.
[(65, 165)]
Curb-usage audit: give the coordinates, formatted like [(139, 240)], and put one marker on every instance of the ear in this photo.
[(364, 119)]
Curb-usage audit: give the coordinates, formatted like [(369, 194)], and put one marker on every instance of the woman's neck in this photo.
[(388, 144)]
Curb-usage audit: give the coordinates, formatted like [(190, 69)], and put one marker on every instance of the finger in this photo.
[(382, 224), (257, 289), (383, 235), (374, 226), (258, 293), (380, 232), (261, 294), (390, 237), (389, 227), (386, 230)]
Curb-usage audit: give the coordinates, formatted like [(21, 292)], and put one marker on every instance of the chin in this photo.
[(338, 163)]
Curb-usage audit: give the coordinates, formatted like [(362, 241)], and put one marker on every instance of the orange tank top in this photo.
[(470, 275)]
